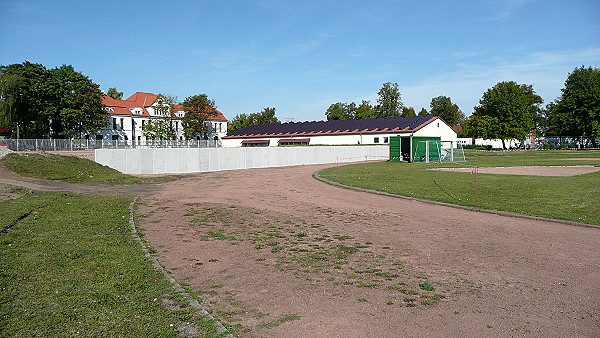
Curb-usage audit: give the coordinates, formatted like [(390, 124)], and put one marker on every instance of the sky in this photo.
[(302, 56)]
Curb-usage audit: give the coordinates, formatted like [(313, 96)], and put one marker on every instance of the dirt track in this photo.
[(243, 238)]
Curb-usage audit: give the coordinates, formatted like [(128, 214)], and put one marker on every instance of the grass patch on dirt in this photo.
[(574, 198), (69, 266), (69, 169), (313, 251)]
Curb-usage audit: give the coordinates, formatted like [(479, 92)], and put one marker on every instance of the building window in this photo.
[(114, 123), (115, 137), (121, 123), (376, 140), (385, 140), (139, 139)]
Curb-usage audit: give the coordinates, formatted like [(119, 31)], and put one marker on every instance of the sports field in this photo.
[(556, 184)]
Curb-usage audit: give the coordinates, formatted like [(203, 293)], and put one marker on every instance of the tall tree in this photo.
[(161, 128), (423, 112), (577, 111), (198, 108), (265, 116), (52, 102), (341, 111), (112, 92), (443, 107), (506, 111), (408, 111), (365, 110), (8, 97), (389, 101)]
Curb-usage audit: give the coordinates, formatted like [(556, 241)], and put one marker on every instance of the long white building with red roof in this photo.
[(340, 132), (127, 117)]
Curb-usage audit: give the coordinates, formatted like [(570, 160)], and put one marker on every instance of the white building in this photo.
[(127, 117), (340, 132)]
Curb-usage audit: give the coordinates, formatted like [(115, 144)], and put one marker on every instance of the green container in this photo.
[(408, 148)]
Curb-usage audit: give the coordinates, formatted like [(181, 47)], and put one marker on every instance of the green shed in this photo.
[(410, 148)]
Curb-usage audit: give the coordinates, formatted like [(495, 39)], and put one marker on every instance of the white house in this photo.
[(128, 116), (339, 132)]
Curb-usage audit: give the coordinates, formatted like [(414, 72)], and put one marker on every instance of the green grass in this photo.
[(69, 168), (574, 198), (69, 266)]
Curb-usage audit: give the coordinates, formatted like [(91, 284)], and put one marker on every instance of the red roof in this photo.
[(144, 101), (3, 130)]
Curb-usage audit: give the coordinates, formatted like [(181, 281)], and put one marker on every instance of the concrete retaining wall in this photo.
[(190, 160)]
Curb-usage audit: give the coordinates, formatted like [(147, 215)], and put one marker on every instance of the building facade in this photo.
[(340, 132), (127, 117)]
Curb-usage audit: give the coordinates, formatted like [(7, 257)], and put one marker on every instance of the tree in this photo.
[(265, 116), (577, 111), (408, 111), (161, 128), (341, 111), (423, 112), (198, 108), (112, 92), (365, 110), (8, 97), (50, 102), (443, 107), (506, 111), (389, 101)]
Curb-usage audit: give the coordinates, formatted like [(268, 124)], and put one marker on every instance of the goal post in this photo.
[(438, 151)]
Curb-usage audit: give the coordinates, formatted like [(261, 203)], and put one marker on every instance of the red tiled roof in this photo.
[(215, 114), (143, 101), (457, 128)]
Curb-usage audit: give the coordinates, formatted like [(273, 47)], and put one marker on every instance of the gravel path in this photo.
[(494, 275)]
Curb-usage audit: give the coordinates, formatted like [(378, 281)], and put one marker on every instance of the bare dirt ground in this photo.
[(531, 171), (284, 255)]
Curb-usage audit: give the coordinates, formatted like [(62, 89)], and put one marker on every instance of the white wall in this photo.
[(190, 160)]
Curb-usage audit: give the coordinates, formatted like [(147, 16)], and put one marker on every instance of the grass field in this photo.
[(574, 198), (69, 266), (69, 169)]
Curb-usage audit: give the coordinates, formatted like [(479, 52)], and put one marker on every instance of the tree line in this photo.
[(37, 102), (506, 111)]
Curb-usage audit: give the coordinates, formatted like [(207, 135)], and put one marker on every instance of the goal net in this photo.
[(438, 151)]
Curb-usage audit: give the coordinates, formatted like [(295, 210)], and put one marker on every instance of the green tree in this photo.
[(389, 101), (506, 111), (8, 97), (198, 108), (80, 103), (577, 111), (423, 112), (341, 111), (365, 110), (112, 92), (265, 116), (161, 128), (51, 102), (443, 107), (408, 111)]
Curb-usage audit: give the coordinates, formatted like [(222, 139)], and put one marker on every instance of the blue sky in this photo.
[(302, 56)]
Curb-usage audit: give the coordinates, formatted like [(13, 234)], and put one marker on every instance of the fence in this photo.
[(83, 144)]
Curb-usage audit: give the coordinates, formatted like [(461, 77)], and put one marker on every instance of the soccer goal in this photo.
[(438, 151)]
